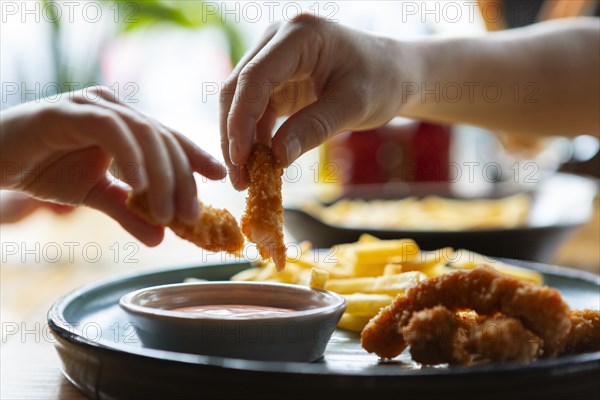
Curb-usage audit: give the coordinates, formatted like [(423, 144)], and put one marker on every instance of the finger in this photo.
[(287, 55), (15, 206), (237, 177), (312, 126), (158, 163), (264, 127), (109, 198), (201, 161), (107, 130), (186, 195)]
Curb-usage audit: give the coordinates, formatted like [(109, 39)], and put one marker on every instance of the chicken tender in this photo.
[(540, 309), (584, 335), (437, 335), (262, 222), (215, 230)]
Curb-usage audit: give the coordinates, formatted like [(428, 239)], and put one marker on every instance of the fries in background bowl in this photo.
[(370, 272), (429, 213)]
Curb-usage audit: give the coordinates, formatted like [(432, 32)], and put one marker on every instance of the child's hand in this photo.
[(62, 152), (328, 78), (14, 206)]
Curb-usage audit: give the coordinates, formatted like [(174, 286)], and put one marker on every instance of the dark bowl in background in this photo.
[(561, 204)]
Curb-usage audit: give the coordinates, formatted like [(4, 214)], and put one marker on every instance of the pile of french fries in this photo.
[(371, 272), (429, 213)]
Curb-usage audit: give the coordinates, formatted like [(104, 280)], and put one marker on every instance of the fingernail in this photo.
[(166, 210), (234, 151), (190, 215), (140, 181), (194, 211), (293, 149)]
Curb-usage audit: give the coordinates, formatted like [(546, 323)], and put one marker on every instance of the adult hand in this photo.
[(328, 78)]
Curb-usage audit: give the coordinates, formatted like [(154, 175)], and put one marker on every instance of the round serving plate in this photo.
[(103, 357)]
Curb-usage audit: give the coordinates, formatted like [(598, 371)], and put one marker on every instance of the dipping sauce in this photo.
[(234, 311)]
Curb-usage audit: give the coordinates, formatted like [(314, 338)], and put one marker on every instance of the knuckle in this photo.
[(79, 98), (227, 90), (273, 28), (50, 112), (362, 103), (103, 117), (98, 89), (249, 72), (320, 128), (101, 91), (307, 19)]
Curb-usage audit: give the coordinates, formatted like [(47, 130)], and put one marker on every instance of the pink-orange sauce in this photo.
[(240, 311)]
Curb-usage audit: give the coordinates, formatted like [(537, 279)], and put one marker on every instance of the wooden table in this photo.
[(29, 366)]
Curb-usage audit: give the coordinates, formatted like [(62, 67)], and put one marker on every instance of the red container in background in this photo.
[(401, 151)]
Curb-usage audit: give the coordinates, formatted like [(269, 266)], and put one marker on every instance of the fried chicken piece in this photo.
[(262, 222), (539, 308), (437, 335), (214, 230), (584, 335), (501, 338)]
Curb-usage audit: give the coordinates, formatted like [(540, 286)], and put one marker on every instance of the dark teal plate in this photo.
[(103, 357)]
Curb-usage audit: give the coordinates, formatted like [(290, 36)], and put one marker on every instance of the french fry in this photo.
[(396, 284), (335, 270), (249, 274), (318, 278), (379, 252), (392, 269), (351, 285), (465, 259), (366, 238), (370, 258), (366, 304), (352, 322), (291, 273), (385, 284), (304, 247), (428, 261), (266, 272)]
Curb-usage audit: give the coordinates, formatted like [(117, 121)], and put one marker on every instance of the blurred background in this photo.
[(169, 59)]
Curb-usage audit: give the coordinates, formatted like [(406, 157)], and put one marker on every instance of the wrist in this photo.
[(414, 65)]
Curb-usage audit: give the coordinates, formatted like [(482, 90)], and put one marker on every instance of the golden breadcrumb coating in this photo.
[(214, 230), (540, 309), (262, 222), (584, 335), (437, 335)]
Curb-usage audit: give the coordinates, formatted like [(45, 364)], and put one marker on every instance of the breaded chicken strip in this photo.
[(540, 309), (584, 335), (437, 335), (262, 222), (215, 230)]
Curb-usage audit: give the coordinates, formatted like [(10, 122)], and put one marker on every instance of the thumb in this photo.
[(109, 197), (312, 126)]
